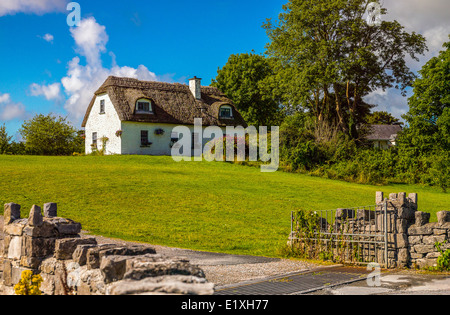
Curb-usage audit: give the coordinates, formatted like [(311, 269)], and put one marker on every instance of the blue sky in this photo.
[(46, 66), (174, 40)]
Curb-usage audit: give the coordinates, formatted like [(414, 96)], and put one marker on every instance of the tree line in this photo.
[(321, 63), (44, 135)]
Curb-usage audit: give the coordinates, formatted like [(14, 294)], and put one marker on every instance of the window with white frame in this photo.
[(144, 138), (144, 106), (226, 112), (94, 139)]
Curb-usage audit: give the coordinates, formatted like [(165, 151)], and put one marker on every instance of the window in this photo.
[(226, 112), (144, 138), (174, 137), (94, 139), (144, 107), (102, 106)]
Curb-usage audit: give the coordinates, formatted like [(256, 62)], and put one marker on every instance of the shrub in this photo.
[(29, 284)]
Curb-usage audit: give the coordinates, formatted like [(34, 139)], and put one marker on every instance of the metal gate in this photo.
[(353, 235)]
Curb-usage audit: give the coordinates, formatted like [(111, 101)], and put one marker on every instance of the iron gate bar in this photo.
[(371, 223)]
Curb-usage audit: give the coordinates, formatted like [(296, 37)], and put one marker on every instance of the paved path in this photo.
[(397, 283)]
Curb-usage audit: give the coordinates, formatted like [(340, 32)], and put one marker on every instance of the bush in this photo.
[(29, 284)]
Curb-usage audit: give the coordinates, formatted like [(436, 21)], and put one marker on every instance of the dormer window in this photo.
[(144, 106), (226, 112)]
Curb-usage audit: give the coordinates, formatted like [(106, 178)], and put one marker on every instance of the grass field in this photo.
[(204, 206)]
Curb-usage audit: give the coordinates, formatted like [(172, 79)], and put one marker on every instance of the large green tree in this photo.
[(49, 135), (5, 140), (329, 59), (382, 118), (429, 108), (245, 79)]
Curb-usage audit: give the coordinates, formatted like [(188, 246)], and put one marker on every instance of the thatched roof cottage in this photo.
[(137, 117)]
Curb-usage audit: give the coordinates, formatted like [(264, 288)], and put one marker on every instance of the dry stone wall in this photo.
[(71, 265), (395, 222)]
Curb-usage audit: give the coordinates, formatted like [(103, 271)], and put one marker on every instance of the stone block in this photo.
[(46, 230), (401, 197), (38, 247), (73, 228), (443, 217), (50, 210), (440, 231), (344, 214), (416, 255), (414, 240), (15, 229), (403, 257), (80, 254), (402, 225), (48, 285), (11, 213), (171, 285), (65, 248), (421, 230), (422, 218), (113, 268), (7, 273), (365, 215), (93, 258), (16, 274), (30, 262), (402, 240), (147, 266), (15, 247), (35, 219), (424, 249), (379, 197), (433, 239), (433, 255), (413, 198)]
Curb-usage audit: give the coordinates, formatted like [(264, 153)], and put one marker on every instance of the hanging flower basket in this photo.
[(119, 133)]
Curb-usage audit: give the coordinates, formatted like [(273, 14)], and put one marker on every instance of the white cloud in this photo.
[(9, 110), (5, 98), (91, 39), (10, 7), (48, 38), (429, 18), (391, 101), (82, 81), (51, 92)]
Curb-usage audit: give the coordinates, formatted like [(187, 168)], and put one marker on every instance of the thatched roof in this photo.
[(383, 132), (173, 103)]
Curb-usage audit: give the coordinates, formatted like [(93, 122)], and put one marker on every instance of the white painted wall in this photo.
[(106, 125), (161, 145)]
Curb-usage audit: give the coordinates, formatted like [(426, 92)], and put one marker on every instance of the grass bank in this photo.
[(203, 206)]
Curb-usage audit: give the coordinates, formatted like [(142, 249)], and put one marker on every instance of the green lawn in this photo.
[(204, 206)]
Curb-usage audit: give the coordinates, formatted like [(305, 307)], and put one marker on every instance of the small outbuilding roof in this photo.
[(173, 103), (383, 132)]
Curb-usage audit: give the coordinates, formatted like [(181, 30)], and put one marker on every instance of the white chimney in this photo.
[(195, 85)]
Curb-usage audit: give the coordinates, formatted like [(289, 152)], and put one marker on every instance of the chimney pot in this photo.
[(195, 85)]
